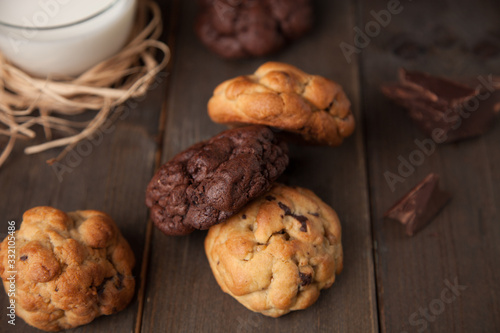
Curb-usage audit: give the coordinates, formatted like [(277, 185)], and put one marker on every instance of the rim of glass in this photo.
[(60, 26)]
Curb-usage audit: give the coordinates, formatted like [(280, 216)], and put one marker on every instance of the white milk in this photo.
[(63, 37)]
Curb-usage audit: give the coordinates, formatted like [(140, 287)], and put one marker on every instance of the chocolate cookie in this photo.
[(71, 268), (212, 180), (277, 253), (246, 28)]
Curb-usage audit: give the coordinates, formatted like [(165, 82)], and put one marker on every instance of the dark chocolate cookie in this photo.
[(246, 28), (214, 179)]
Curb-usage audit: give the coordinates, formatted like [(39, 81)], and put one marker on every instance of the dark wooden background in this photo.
[(389, 279)]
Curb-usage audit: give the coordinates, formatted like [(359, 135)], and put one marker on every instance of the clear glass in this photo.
[(60, 26), (69, 49)]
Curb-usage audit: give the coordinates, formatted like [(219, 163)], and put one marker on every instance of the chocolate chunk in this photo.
[(285, 208), (302, 219), (119, 282), (23, 257), (305, 279), (283, 232), (100, 288), (314, 214), (447, 110), (417, 208), (270, 198), (244, 217)]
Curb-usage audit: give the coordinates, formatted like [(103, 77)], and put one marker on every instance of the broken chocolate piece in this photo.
[(417, 208), (447, 110)]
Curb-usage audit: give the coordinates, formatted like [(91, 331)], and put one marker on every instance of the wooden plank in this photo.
[(182, 295), (452, 39), (111, 178)]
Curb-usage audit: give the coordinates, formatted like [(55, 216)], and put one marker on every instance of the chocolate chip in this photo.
[(100, 288), (244, 217), (330, 105), (270, 198), (305, 279), (303, 220), (23, 257), (119, 283), (57, 289), (314, 214), (285, 208)]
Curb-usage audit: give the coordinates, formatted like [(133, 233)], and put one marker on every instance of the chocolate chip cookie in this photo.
[(278, 252), (71, 268), (214, 179), (248, 28), (284, 97)]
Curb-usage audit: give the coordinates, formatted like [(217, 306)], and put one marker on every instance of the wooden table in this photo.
[(389, 280)]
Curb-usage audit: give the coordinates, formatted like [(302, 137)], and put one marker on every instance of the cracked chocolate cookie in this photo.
[(284, 97), (71, 268), (277, 253), (214, 179), (250, 28)]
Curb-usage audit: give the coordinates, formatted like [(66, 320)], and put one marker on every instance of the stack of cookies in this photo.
[(270, 246)]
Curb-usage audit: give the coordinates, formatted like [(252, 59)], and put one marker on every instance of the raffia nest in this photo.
[(26, 101)]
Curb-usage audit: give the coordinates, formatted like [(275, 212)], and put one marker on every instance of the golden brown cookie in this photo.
[(71, 268), (283, 96), (276, 254)]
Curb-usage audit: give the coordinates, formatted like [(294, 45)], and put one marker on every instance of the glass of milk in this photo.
[(63, 37)]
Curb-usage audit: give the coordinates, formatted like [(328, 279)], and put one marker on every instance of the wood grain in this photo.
[(182, 295), (442, 38)]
